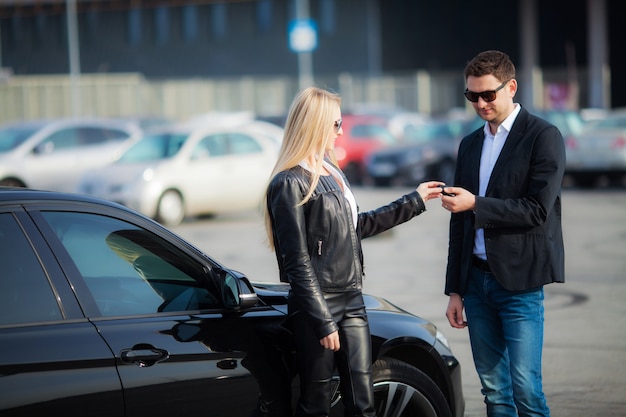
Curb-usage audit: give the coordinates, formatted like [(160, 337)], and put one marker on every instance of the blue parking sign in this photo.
[(302, 35)]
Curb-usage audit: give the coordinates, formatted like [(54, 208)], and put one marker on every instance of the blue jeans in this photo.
[(506, 335)]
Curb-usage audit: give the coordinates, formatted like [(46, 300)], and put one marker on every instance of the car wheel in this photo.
[(585, 180), (382, 181), (171, 210), (11, 182), (402, 390)]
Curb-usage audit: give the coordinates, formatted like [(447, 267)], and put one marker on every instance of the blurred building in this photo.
[(580, 40)]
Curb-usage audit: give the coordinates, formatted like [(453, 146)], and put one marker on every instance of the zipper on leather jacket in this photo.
[(319, 247)]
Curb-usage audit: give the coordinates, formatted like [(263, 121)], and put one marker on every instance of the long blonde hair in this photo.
[(308, 129)]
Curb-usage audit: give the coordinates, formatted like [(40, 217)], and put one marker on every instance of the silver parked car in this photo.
[(599, 150), (189, 170), (53, 154)]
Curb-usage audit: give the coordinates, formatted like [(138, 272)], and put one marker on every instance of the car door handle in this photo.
[(143, 355)]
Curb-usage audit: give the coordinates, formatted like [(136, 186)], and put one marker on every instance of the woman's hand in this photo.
[(331, 341), (429, 190)]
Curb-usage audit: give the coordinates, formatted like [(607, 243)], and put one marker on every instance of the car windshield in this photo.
[(368, 131), (153, 147), (12, 137)]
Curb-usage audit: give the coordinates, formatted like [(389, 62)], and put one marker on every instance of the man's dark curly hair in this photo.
[(491, 62)]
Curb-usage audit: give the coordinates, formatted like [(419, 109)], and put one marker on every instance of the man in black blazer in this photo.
[(506, 240)]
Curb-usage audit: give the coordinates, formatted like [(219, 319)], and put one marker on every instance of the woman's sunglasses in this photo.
[(486, 95), (338, 124)]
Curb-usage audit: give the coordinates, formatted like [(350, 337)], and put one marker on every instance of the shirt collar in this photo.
[(508, 122)]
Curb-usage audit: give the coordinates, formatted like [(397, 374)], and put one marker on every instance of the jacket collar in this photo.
[(476, 149)]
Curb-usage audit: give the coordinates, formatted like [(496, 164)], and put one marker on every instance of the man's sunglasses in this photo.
[(338, 124), (486, 95)]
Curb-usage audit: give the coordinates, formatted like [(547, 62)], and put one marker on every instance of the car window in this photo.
[(154, 147), (25, 293), (226, 144), (62, 139), (243, 144), (81, 136), (97, 135), (111, 134), (12, 137), (212, 145), (130, 270), (368, 131)]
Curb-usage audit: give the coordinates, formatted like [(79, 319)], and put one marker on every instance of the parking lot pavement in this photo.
[(585, 331)]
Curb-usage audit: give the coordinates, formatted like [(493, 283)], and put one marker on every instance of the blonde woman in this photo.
[(315, 229)]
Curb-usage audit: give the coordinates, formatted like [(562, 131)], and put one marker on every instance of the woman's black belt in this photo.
[(480, 264)]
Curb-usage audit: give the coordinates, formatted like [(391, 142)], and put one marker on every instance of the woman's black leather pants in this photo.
[(316, 364)]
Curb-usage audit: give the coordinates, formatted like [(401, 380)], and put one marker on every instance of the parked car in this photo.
[(398, 120), (599, 150), (147, 122), (104, 312), (188, 170), (569, 122), (362, 134), (53, 154), (428, 152)]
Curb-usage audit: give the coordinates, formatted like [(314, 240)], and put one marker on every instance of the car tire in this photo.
[(402, 390), (585, 180), (11, 182), (171, 209), (382, 181)]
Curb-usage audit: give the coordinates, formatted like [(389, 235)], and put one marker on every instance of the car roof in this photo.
[(18, 195), (15, 196), (191, 128)]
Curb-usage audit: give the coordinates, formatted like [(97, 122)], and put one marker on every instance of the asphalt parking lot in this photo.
[(585, 332)]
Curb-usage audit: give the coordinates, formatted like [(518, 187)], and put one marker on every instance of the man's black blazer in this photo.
[(521, 210)]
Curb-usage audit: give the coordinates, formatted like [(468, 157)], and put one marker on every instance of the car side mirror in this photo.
[(237, 291)]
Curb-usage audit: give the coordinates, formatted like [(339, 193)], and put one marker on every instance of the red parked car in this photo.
[(362, 134)]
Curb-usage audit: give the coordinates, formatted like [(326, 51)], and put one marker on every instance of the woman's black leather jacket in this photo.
[(317, 247)]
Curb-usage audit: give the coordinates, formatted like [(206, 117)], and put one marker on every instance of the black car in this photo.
[(428, 152), (104, 312)]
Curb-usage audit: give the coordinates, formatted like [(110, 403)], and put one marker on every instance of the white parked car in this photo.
[(53, 154), (598, 151), (189, 170)]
